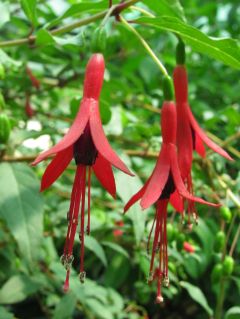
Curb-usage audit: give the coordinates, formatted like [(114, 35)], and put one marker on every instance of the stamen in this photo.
[(150, 277), (66, 283), (82, 276), (83, 190), (89, 198), (159, 298)]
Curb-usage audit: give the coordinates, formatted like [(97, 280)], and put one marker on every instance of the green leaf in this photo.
[(92, 244), (4, 314), (99, 309), (171, 8), (233, 313), (105, 112), (43, 37), (65, 307), (127, 187), (7, 61), (4, 13), (29, 8), (224, 50), (116, 247), (77, 9), (21, 206), (17, 288), (197, 295)]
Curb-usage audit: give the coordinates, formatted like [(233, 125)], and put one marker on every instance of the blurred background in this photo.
[(40, 90)]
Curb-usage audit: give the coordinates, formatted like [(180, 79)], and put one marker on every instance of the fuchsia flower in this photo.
[(88, 145), (164, 185), (28, 107), (189, 134), (33, 79)]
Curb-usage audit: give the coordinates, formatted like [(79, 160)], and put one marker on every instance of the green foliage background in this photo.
[(33, 225)]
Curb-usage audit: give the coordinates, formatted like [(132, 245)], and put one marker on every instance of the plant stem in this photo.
[(146, 46), (109, 13), (31, 39), (234, 243), (143, 11), (220, 299)]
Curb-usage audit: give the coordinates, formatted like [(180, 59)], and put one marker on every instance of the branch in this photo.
[(32, 38)]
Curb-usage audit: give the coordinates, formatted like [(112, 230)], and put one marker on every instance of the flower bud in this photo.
[(228, 265), (99, 40), (5, 128), (219, 241), (216, 273), (225, 214)]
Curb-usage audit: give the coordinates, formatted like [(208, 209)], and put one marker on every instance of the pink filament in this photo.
[(66, 283), (160, 246), (89, 198), (83, 190)]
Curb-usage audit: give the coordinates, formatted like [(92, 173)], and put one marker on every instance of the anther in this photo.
[(82, 276), (150, 277), (165, 281), (159, 299)]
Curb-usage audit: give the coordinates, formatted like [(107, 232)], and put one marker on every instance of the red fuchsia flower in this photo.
[(164, 185), (88, 145), (33, 79), (28, 107), (189, 134), (188, 247)]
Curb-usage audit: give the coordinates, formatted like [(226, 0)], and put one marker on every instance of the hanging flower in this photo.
[(33, 79), (189, 134), (88, 145), (28, 107), (164, 185)]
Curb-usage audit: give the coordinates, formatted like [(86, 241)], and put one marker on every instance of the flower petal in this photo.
[(205, 139), (73, 134), (199, 146), (184, 140), (136, 197), (104, 174), (56, 167), (179, 182), (102, 143), (158, 179), (177, 202)]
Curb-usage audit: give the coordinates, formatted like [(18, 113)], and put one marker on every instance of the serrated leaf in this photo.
[(29, 7), (197, 295), (16, 289), (116, 247), (4, 13), (21, 207), (224, 49), (92, 244)]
